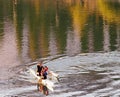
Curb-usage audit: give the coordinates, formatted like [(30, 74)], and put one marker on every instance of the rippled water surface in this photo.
[(78, 39)]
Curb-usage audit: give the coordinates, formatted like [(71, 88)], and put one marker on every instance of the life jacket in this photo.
[(46, 68)]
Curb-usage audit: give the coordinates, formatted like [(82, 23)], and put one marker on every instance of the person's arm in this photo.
[(37, 70)]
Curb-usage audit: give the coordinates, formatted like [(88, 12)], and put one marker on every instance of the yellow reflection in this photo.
[(43, 42), (79, 18), (37, 6), (108, 14), (32, 47), (90, 4), (42, 3)]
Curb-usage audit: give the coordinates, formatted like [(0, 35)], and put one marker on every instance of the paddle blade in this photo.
[(34, 74)]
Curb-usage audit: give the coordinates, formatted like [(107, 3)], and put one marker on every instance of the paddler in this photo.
[(39, 68), (44, 72), (39, 73)]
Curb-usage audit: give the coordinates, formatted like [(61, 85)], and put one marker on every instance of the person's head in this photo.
[(40, 63)]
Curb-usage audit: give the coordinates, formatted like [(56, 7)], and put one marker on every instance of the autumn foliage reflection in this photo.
[(50, 27)]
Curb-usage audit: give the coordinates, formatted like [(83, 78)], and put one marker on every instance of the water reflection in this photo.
[(52, 43), (109, 10), (106, 37), (47, 28), (8, 50), (73, 43)]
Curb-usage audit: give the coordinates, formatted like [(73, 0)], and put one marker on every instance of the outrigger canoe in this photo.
[(49, 84)]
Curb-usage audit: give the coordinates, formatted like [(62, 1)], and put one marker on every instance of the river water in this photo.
[(78, 39)]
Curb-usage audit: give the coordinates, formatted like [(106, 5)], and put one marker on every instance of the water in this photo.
[(78, 39)]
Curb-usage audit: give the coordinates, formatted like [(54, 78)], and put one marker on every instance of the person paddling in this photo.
[(39, 73), (39, 68), (44, 72)]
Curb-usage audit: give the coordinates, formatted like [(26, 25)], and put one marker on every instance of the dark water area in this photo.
[(78, 39)]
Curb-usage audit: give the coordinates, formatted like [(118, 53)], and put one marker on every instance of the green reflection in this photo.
[(113, 37), (41, 19), (18, 22)]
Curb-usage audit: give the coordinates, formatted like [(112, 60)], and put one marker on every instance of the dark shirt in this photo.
[(45, 75), (39, 69)]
